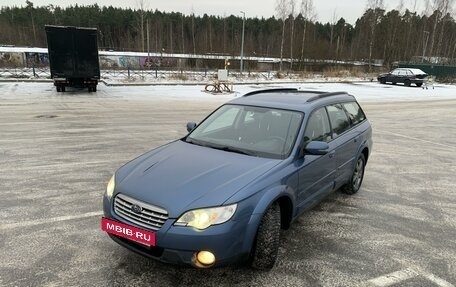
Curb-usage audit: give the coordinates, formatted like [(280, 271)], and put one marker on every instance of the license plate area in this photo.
[(139, 235)]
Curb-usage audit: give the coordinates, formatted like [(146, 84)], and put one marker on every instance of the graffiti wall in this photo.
[(11, 60), (109, 62), (36, 60)]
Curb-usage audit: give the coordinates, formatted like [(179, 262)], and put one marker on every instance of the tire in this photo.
[(62, 89), (419, 85), (357, 177), (394, 83), (407, 83), (90, 89), (382, 81), (58, 89), (266, 246), (94, 88)]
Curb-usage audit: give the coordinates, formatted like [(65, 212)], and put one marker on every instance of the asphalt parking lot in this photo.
[(57, 152)]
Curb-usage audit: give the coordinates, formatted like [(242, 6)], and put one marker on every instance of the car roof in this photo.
[(413, 70), (291, 99)]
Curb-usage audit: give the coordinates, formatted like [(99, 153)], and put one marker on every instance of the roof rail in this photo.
[(283, 90), (325, 95)]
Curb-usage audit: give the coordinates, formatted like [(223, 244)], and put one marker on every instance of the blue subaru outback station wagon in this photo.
[(221, 194)]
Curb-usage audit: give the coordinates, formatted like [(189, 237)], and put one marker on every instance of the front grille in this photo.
[(149, 216)]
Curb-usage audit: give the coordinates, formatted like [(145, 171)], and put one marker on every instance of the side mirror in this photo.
[(317, 148), (191, 126)]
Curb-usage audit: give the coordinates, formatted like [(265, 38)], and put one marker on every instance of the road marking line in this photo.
[(409, 273), (49, 220), (416, 139), (394, 278), (439, 281)]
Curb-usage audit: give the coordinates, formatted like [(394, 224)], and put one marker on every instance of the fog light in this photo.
[(204, 259)]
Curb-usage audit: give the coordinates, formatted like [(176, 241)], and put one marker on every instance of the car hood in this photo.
[(181, 176)]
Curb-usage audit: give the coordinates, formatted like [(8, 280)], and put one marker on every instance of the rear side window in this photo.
[(318, 128), (354, 112), (339, 120)]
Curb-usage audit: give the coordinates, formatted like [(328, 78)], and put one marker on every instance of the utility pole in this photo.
[(242, 42)]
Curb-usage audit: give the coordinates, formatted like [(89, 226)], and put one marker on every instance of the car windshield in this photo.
[(255, 131)]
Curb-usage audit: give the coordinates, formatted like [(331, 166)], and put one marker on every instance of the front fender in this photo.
[(265, 200)]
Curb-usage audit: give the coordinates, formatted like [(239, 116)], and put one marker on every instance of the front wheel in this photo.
[(356, 179), (266, 246), (407, 83)]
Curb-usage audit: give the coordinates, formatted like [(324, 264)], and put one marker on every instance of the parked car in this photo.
[(221, 194), (404, 76)]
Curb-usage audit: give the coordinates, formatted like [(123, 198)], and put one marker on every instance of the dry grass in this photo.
[(353, 72)]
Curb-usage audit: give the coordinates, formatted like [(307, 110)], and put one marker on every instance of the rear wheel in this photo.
[(62, 88), (58, 88), (266, 246), (382, 81), (356, 179), (419, 84)]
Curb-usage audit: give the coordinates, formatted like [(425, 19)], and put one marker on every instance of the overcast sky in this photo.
[(325, 9)]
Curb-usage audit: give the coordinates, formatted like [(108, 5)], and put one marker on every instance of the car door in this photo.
[(392, 77), (345, 141), (316, 172)]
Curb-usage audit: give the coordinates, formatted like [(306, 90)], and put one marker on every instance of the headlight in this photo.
[(110, 187), (203, 218)]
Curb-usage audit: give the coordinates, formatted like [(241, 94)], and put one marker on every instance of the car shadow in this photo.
[(301, 244), (131, 268)]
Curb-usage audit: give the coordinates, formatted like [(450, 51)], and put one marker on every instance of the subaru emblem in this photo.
[(136, 208)]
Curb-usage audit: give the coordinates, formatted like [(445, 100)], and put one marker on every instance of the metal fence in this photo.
[(441, 72), (149, 74)]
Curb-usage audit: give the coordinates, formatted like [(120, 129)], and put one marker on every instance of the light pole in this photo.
[(242, 43)]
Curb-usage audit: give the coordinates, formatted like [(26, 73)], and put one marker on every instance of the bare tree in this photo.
[(308, 13), (409, 34), (374, 6), (446, 7), (333, 25), (142, 7), (30, 7), (292, 9), (193, 32), (282, 13), (183, 34), (439, 9)]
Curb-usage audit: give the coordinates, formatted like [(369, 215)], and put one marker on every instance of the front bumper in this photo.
[(229, 242)]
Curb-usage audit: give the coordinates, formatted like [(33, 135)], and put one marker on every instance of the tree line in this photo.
[(395, 35)]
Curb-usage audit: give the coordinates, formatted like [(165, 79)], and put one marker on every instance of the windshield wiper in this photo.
[(224, 148), (231, 149), (191, 141)]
